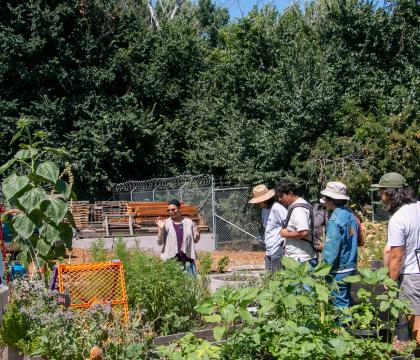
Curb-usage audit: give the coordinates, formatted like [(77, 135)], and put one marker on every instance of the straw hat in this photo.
[(261, 193), (336, 190)]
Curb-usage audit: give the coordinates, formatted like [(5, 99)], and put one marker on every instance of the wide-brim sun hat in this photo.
[(261, 193), (336, 190), (390, 180)]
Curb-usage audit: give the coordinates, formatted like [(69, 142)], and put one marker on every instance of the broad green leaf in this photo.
[(322, 269), (290, 264), (218, 332), (50, 232), (69, 217), (48, 170), (25, 154), (14, 184), (207, 307), (382, 273), (24, 256), (32, 198), (23, 225), (36, 217), (55, 209), (59, 249), (7, 165), (228, 313), (384, 305), (216, 318), (245, 315), (290, 301), (66, 234), (352, 279), (322, 292), (43, 247), (257, 338), (62, 187)]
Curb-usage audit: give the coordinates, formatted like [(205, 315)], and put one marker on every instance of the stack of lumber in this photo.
[(146, 213), (80, 211)]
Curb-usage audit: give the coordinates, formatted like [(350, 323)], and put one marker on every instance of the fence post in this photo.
[(131, 195), (213, 211), (373, 205), (153, 195)]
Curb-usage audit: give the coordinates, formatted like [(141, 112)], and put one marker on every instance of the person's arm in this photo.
[(331, 245), (196, 233), (395, 261), (161, 231), (387, 255), (300, 219), (288, 234)]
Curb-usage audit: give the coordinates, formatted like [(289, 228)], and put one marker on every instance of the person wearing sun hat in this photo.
[(403, 242), (340, 247), (273, 215)]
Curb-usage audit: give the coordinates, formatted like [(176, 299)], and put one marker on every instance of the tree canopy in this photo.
[(134, 90)]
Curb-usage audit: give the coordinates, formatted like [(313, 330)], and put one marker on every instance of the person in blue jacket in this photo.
[(340, 247)]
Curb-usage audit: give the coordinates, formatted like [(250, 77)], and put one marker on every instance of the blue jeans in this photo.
[(341, 296), (191, 268)]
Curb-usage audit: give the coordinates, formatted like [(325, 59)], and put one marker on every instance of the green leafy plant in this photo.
[(205, 262), (290, 317), (222, 264), (97, 250), (190, 348), (42, 225), (165, 294)]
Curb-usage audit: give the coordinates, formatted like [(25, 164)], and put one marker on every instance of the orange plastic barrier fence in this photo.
[(95, 283)]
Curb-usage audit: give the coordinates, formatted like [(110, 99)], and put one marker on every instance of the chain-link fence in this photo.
[(379, 211), (238, 224), (234, 224)]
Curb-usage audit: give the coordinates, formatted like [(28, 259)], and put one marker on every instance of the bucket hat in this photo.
[(336, 190), (390, 180), (261, 193)]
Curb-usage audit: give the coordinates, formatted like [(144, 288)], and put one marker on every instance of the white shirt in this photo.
[(299, 249), (404, 230), (273, 241)]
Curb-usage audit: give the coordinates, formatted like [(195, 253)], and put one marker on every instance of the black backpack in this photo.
[(313, 241)]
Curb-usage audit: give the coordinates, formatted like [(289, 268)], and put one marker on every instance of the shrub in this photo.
[(165, 294), (222, 264), (97, 250)]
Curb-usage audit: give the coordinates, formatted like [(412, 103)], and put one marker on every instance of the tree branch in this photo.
[(153, 16), (178, 4)]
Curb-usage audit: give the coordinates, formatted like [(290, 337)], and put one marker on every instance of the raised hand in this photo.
[(160, 223)]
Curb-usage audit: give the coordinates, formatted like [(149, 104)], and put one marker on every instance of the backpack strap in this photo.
[(311, 216)]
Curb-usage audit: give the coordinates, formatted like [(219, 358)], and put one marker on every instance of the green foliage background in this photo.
[(327, 92)]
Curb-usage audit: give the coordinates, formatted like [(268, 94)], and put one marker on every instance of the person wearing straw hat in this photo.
[(273, 215), (403, 244), (340, 247)]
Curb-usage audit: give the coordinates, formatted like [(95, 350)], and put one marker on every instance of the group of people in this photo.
[(292, 229)]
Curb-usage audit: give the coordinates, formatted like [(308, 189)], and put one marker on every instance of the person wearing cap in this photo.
[(403, 241), (340, 247), (273, 215), (178, 235), (299, 245)]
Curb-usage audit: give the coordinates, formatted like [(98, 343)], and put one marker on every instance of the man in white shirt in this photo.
[(403, 241), (299, 245), (273, 215)]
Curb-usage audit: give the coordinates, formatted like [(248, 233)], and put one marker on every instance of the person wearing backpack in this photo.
[(273, 214), (340, 246), (298, 226)]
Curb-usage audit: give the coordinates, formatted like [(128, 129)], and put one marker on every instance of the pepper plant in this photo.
[(35, 189)]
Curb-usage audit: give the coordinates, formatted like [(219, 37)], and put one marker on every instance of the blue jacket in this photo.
[(340, 247)]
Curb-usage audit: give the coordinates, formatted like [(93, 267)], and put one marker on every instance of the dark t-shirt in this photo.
[(179, 229)]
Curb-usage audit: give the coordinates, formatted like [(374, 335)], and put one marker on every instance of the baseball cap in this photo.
[(390, 180)]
